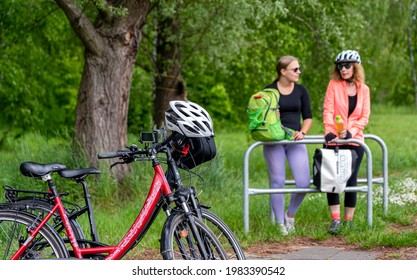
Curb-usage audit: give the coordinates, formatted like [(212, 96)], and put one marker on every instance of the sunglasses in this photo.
[(346, 65), (296, 69)]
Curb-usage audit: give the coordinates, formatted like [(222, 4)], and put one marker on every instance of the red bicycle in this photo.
[(26, 236)]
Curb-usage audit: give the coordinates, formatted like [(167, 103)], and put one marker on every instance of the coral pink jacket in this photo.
[(336, 102)]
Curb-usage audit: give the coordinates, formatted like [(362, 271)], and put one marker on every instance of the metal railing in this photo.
[(318, 139)]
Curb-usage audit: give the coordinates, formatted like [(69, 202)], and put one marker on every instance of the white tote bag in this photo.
[(333, 168)]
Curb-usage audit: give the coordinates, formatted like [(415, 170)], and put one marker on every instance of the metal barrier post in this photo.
[(318, 139), (384, 169)]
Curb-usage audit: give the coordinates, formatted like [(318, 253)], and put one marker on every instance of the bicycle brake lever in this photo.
[(116, 163)]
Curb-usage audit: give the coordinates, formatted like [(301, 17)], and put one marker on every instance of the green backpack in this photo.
[(264, 122)]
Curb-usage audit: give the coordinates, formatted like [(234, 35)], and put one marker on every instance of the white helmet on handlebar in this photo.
[(189, 119)]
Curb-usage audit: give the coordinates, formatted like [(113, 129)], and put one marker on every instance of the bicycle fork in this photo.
[(200, 240)]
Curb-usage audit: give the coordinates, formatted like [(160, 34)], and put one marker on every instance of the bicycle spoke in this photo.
[(176, 244), (6, 237), (181, 236), (14, 233)]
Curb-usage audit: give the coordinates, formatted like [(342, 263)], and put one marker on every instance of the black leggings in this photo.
[(350, 197)]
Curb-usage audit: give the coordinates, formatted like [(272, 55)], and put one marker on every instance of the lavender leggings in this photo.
[(297, 156)]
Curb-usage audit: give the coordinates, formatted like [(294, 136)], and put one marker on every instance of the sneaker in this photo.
[(289, 223), (283, 229), (335, 226)]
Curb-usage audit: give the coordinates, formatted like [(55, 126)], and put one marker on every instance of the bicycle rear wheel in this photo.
[(39, 206), (224, 234), (179, 242), (14, 228)]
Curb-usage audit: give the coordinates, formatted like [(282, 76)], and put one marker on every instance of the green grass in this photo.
[(221, 186)]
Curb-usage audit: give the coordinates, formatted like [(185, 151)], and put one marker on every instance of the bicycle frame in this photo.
[(158, 187), (159, 184), (171, 174), (12, 195), (58, 206)]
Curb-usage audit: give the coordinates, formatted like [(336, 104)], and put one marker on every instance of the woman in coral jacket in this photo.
[(348, 96)]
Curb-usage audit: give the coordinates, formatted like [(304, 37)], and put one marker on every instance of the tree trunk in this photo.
[(111, 45), (168, 82), (103, 100), (413, 68)]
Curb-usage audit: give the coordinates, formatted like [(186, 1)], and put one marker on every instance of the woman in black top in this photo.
[(294, 105)]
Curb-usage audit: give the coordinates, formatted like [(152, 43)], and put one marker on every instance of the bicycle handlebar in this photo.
[(117, 154), (128, 154)]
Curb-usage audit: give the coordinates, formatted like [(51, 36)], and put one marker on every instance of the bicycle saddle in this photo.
[(77, 174), (37, 170)]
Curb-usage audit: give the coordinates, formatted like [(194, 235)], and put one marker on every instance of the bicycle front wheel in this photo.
[(179, 242), (14, 228), (224, 234)]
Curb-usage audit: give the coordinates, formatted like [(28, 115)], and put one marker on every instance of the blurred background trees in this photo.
[(215, 53)]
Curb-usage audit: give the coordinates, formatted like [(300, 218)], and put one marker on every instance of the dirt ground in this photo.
[(384, 253), (297, 243)]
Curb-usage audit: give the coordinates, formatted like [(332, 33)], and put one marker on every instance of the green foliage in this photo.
[(217, 103), (387, 57), (104, 6), (40, 66), (224, 61), (140, 104), (257, 37), (36, 147)]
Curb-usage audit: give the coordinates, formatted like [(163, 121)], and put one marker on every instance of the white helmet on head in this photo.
[(348, 56), (189, 119)]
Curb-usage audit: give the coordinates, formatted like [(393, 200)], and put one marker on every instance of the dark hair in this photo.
[(283, 63)]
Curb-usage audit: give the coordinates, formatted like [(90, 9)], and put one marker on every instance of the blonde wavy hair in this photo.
[(358, 73)]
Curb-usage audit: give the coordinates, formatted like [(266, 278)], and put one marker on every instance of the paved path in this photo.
[(318, 253)]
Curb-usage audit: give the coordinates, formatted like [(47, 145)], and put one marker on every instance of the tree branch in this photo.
[(82, 26)]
